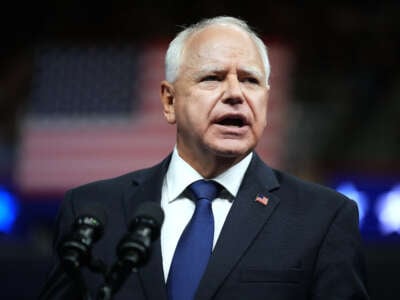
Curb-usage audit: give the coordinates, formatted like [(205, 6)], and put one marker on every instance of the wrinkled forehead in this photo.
[(221, 43)]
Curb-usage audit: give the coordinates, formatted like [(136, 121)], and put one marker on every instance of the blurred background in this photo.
[(79, 101)]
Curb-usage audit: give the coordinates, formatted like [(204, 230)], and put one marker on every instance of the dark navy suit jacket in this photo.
[(304, 244)]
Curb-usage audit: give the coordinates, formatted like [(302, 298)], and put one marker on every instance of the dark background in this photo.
[(345, 96)]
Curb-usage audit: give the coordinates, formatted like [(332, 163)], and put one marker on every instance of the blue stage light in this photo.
[(349, 190), (8, 210), (388, 211)]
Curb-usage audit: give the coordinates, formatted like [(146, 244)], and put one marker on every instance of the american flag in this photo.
[(262, 199)]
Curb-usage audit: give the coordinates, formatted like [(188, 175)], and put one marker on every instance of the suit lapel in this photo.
[(245, 219), (148, 188)]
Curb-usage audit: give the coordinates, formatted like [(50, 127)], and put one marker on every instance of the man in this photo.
[(273, 235)]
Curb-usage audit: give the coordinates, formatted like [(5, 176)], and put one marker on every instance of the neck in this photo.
[(211, 165)]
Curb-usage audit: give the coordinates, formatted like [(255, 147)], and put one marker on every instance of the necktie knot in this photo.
[(205, 189)]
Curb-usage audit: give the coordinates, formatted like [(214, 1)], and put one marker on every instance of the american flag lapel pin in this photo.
[(262, 199)]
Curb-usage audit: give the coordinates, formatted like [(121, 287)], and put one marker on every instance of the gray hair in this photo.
[(175, 48)]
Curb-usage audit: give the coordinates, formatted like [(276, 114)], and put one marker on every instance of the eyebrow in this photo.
[(254, 71), (210, 69), (250, 70)]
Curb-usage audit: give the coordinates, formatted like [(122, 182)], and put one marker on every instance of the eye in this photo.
[(211, 78), (251, 80)]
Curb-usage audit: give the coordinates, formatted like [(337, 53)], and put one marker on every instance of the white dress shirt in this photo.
[(178, 208)]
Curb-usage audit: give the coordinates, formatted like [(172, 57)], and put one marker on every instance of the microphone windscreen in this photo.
[(94, 210), (151, 210)]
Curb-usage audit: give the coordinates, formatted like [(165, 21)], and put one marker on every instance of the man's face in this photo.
[(219, 100)]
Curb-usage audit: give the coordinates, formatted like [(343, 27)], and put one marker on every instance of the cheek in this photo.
[(191, 115), (263, 115), (201, 104), (258, 105), (259, 109)]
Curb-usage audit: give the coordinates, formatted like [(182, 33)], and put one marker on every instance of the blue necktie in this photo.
[(195, 244)]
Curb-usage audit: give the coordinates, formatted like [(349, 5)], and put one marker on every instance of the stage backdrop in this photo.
[(95, 112)]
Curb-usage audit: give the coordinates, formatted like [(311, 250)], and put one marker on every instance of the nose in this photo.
[(233, 91)]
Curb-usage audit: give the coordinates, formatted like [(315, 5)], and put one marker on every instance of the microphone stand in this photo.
[(134, 249), (60, 279), (81, 285), (117, 276)]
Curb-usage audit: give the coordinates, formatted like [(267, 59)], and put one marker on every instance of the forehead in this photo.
[(220, 45)]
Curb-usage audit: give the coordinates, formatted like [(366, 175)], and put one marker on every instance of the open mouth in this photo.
[(237, 121)]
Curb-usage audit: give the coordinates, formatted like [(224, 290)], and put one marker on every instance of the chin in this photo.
[(231, 151)]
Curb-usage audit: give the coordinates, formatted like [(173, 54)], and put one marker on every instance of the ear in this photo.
[(168, 101)]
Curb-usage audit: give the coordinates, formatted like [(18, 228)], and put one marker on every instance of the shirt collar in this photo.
[(180, 175)]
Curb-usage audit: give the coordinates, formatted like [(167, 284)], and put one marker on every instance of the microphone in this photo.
[(134, 248), (74, 251), (75, 248)]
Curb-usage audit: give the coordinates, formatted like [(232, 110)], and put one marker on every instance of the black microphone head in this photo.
[(151, 214), (93, 213), (75, 247), (150, 210)]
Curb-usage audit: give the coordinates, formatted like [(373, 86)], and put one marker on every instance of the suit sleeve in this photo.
[(58, 285), (340, 267)]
